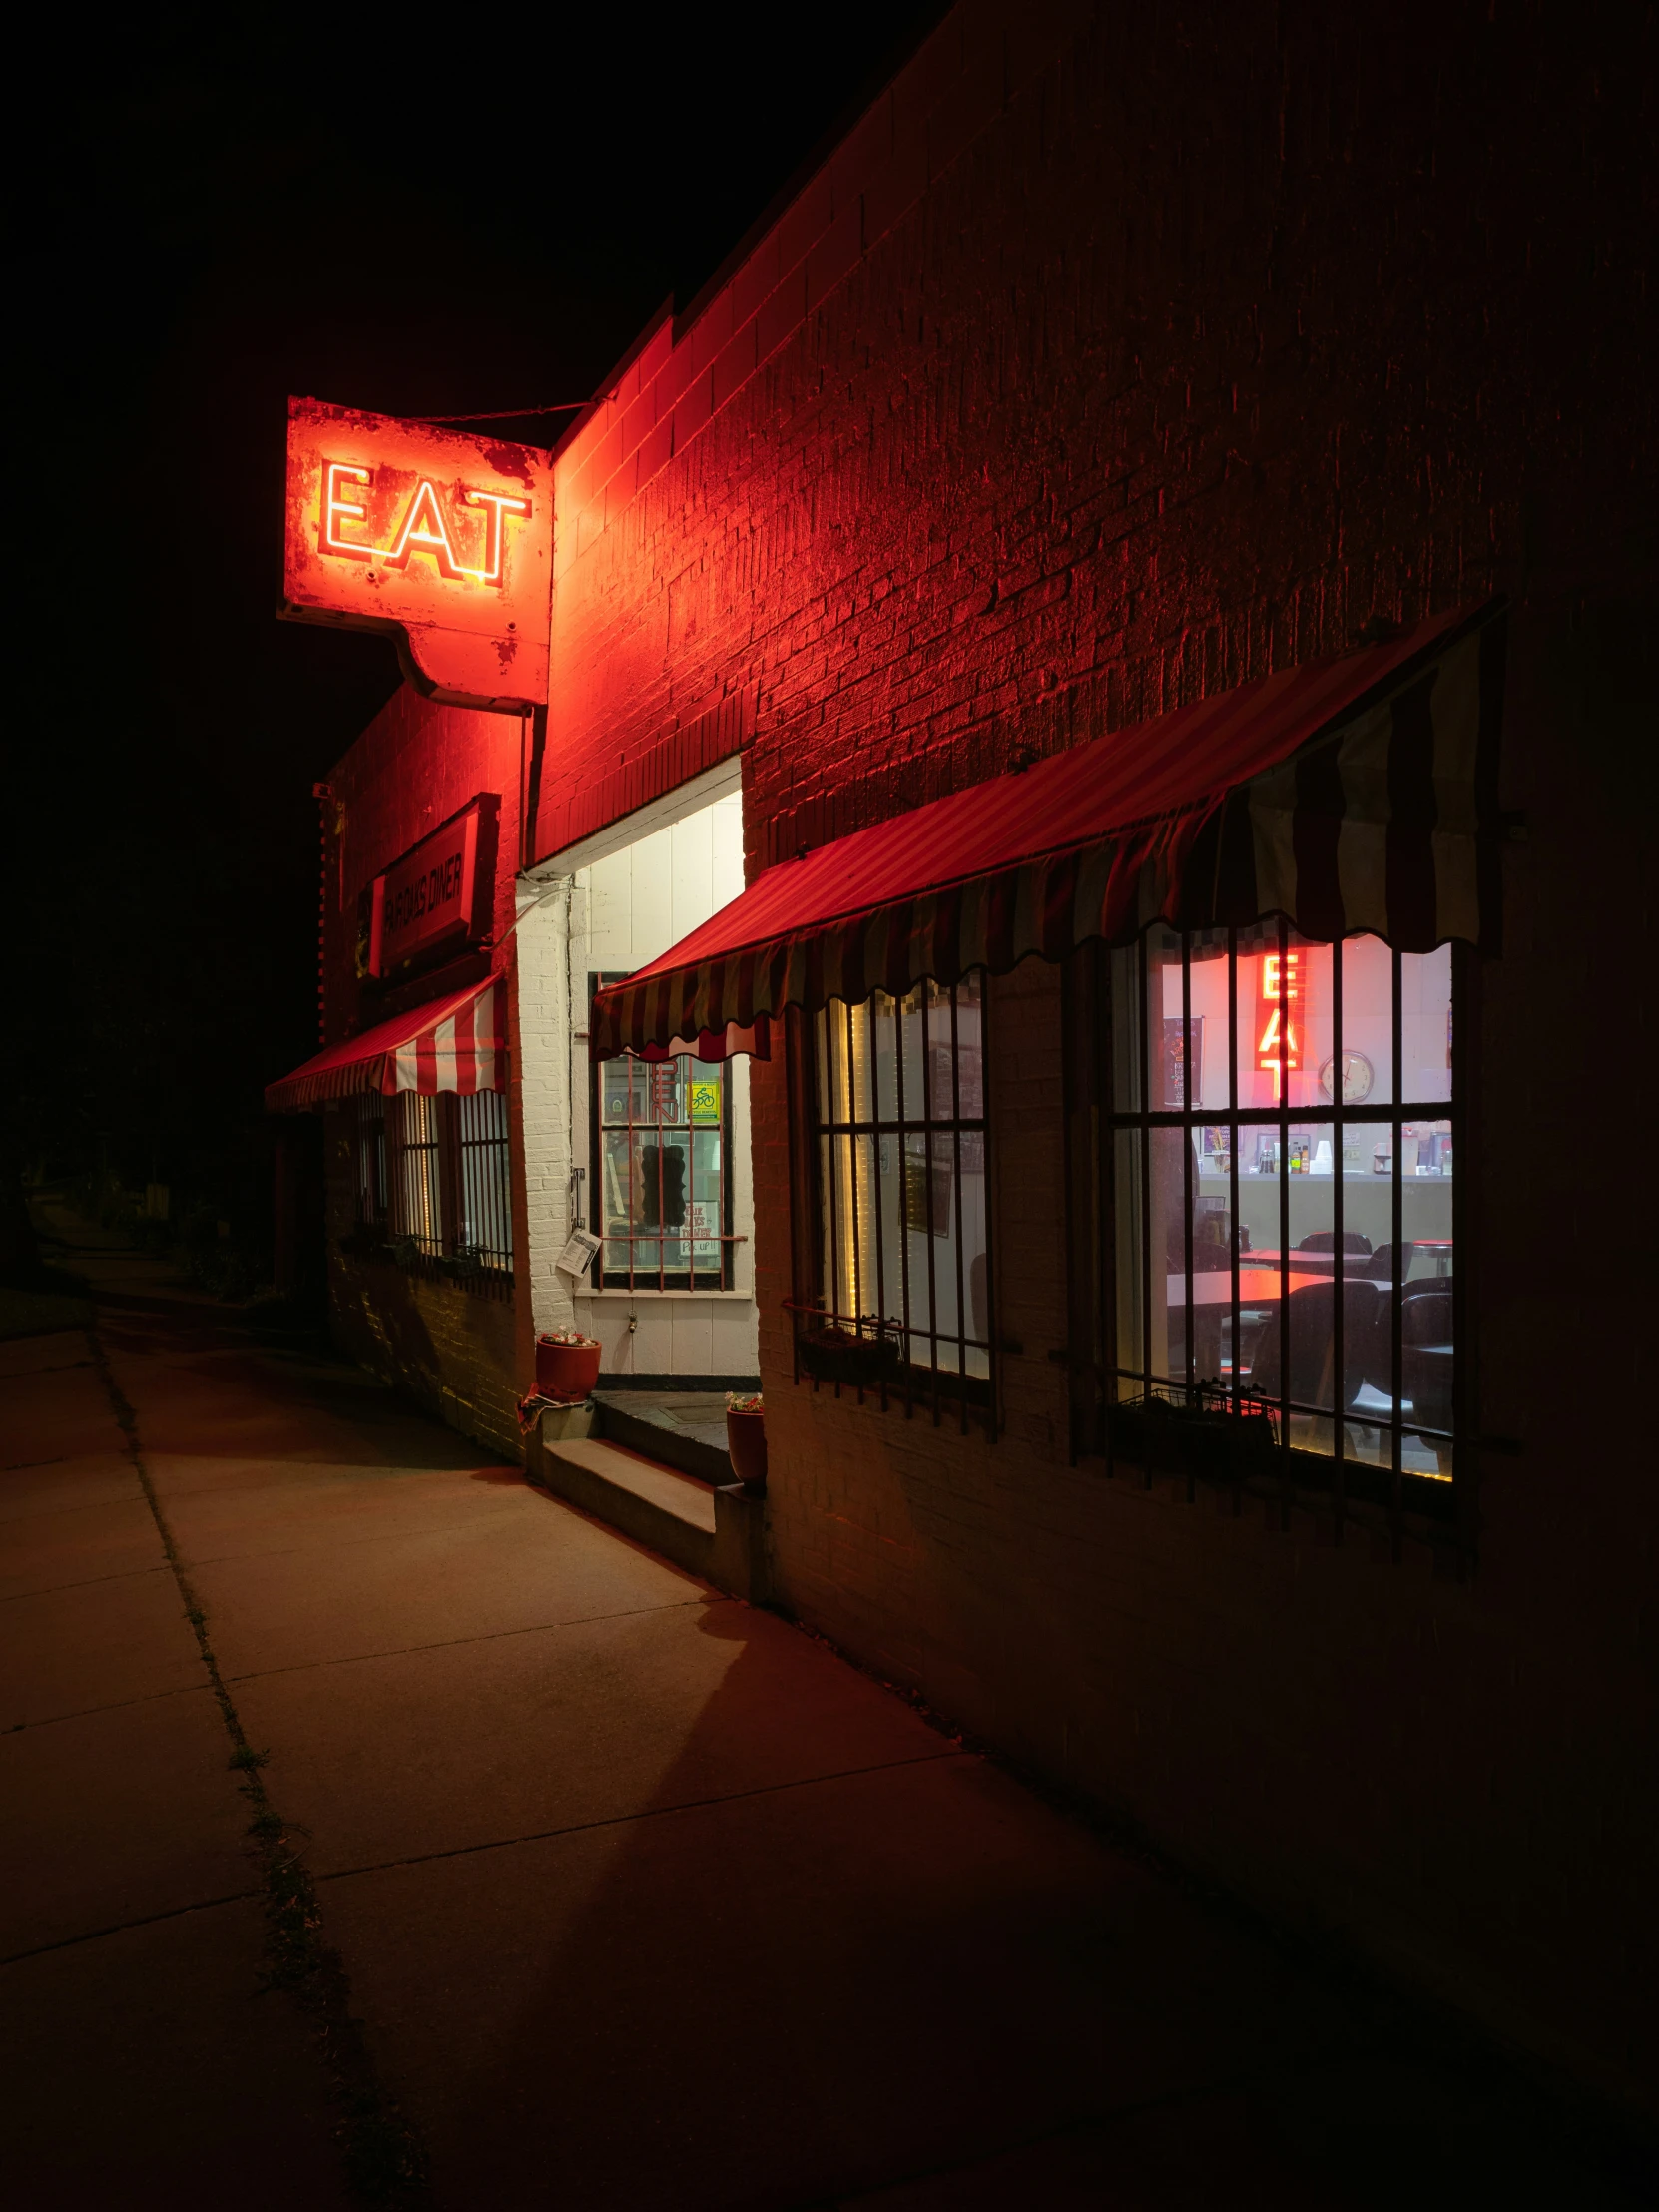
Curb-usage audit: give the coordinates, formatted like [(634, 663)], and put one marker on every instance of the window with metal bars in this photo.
[(898, 1156), (483, 1178), (435, 1174), (1262, 1134), (663, 1174)]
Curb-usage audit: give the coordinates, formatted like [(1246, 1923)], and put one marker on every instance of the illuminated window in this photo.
[(898, 1143), (663, 1174), (433, 1175), (1273, 1205)]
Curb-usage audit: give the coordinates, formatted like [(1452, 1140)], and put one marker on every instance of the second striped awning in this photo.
[(458, 1043), (1352, 794)]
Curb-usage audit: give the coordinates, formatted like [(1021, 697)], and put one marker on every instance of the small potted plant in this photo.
[(567, 1366), (746, 1439)]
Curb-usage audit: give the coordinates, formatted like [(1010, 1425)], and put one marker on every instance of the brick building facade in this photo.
[(1112, 360)]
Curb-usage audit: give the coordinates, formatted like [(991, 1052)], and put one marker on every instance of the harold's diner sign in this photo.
[(436, 900)]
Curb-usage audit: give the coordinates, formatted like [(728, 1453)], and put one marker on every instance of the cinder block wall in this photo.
[(1114, 359)]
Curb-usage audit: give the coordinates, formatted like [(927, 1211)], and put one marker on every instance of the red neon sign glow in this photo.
[(1278, 1047), (445, 541)]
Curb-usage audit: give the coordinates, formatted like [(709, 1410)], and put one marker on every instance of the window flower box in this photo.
[(1197, 1433), (832, 1355)]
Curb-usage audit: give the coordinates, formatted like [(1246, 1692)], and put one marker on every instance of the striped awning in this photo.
[(458, 1043), (1350, 794)]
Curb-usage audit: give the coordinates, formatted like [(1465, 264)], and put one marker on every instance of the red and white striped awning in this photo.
[(1352, 794), (458, 1043)]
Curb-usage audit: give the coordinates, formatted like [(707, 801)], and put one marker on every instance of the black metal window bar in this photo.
[(434, 1176), (663, 1174), (900, 1159), (1271, 1127)]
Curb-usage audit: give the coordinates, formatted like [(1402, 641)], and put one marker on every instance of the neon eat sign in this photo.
[(1283, 992), (439, 539), (423, 528)]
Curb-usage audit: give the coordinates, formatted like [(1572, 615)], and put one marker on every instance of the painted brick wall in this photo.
[(1115, 358)]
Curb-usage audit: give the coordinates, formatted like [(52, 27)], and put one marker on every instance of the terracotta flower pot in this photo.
[(745, 1441), (566, 1373)]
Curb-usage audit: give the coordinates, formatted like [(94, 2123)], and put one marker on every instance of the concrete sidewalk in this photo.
[(643, 1898)]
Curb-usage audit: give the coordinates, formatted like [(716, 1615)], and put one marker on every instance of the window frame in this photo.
[(814, 1224), (666, 1283), (1337, 1484)]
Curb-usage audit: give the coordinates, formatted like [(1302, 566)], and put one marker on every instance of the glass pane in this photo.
[(1170, 1151), (1125, 1001), (891, 1206), (970, 1055), (855, 1044), (885, 1037), (1368, 1384), (1127, 1206), (1426, 1025), (949, 1260), (976, 1254), (1368, 1024), (1426, 1167), (1207, 1042), (912, 1023), (1165, 1018), (1284, 1028)]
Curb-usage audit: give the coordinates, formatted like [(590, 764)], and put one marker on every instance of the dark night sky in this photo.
[(219, 210)]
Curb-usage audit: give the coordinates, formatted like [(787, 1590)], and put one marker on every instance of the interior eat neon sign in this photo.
[(1281, 988), (423, 528)]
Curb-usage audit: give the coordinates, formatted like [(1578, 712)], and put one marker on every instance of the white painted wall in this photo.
[(616, 915)]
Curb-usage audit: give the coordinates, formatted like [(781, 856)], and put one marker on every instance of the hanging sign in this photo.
[(443, 540), (436, 900)]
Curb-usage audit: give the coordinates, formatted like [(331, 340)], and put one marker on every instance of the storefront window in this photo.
[(435, 1172), (899, 1136), (662, 1172), (1280, 1186)]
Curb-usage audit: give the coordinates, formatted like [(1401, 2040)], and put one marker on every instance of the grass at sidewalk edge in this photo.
[(386, 2163)]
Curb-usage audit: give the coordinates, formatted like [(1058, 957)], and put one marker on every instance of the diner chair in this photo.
[(1324, 1240), (1313, 1331), (1381, 1265), (1426, 1372)]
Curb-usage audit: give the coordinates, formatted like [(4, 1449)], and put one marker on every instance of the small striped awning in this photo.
[(458, 1043), (1352, 794)]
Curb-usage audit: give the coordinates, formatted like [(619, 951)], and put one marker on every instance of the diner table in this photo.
[(1212, 1293)]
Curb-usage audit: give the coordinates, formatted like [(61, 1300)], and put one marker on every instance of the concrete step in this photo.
[(656, 1505), (678, 1429), (718, 1535)]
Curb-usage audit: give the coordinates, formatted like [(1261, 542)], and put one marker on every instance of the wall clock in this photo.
[(1357, 1078)]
